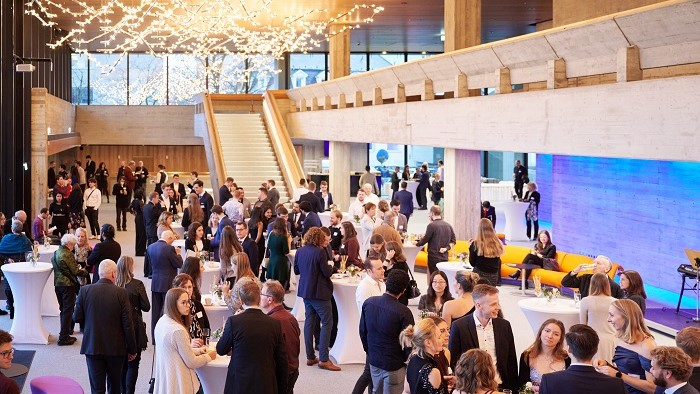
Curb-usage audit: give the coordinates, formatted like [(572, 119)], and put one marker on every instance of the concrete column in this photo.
[(339, 177), (463, 191), (39, 145), (462, 24)]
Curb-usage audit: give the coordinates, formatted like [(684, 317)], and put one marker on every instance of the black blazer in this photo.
[(107, 249), (583, 283), (319, 195), (524, 374), (395, 181), (206, 244), (138, 300), (104, 312), (251, 249), (259, 362), (296, 227), (316, 203), (463, 337), (151, 213), (490, 214), (580, 379), (180, 191), (164, 262)]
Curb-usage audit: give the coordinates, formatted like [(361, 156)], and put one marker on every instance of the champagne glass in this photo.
[(206, 333)]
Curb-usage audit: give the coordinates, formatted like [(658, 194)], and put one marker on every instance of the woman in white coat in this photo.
[(368, 223), (175, 359)]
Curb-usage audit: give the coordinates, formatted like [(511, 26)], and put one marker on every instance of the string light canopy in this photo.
[(246, 28)]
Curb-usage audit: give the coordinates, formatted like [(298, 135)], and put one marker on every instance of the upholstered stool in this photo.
[(55, 385)]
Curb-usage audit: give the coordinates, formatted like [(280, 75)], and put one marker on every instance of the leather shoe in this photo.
[(311, 362), (67, 342), (328, 365), (3, 313), (515, 275)]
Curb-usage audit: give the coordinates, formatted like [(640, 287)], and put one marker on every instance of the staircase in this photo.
[(248, 155)]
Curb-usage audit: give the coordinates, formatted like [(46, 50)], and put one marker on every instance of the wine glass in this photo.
[(206, 333)]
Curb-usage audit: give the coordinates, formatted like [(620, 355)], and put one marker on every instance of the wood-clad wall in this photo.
[(565, 12)]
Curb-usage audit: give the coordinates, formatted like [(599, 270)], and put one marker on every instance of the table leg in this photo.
[(522, 280)]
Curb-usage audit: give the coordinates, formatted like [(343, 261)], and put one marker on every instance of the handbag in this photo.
[(550, 264), (152, 381), (413, 290)]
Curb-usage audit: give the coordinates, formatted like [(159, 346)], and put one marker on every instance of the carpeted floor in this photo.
[(23, 357)]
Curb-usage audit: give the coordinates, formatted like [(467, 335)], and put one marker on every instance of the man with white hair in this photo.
[(66, 271), (103, 310), (601, 265), (368, 178), (22, 217), (370, 196), (165, 261)]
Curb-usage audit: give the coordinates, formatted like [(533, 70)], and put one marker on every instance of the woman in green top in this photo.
[(278, 246)]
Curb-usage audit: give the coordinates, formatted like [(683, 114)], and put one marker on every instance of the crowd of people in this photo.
[(462, 345)]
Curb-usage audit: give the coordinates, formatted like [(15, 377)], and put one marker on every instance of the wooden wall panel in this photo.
[(565, 12)]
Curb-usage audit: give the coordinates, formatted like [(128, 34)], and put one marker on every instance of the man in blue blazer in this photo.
[(581, 377), (316, 288), (319, 195), (405, 198), (249, 246), (223, 222), (165, 261), (311, 218)]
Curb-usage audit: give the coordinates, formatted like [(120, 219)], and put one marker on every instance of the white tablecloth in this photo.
[(514, 211), (177, 227), (181, 244), (326, 218), (537, 310), (410, 251), (213, 375), (412, 186), (450, 268), (210, 274), (348, 346), (501, 191), (49, 303), (27, 283), (217, 313)]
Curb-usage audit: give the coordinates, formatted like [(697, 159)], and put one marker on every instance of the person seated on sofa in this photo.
[(602, 265), (544, 249)]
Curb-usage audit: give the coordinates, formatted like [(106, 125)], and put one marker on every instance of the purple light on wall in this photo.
[(326, 148)]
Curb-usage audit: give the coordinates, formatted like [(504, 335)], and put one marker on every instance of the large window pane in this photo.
[(147, 80), (358, 63), (226, 74), (378, 60), (186, 78), (417, 155), (383, 158), (416, 56), (108, 88), (306, 69), (79, 69), (262, 74)]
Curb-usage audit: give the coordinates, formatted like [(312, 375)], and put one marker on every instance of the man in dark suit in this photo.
[(205, 201), (401, 221), (258, 356), (488, 212), (296, 219), (52, 175), (273, 195), (311, 218), (316, 288), (405, 199), (165, 261), (325, 197), (179, 189), (395, 181), (484, 330), (581, 377), (108, 249), (601, 265), (89, 167), (103, 310), (423, 185), (151, 213), (272, 303), (312, 199), (249, 246), (225, 191)]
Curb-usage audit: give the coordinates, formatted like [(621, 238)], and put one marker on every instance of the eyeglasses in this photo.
[(7, 353), (266, 295), (439, 282)]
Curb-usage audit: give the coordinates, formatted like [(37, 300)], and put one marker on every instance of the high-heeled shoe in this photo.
[(515, 275)]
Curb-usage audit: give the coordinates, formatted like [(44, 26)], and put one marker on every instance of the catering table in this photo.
[(213, 375), (522, 268), (514, 211), (410, 251), (179, 230), (217, 313), (450, 268), (348, 346), (210, 274), (181, 244), (537, 310), (501, 191), (326, 218), (49, 302), (412, 186), (27, 283)]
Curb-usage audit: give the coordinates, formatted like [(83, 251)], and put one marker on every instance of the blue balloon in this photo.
[(382, 156)]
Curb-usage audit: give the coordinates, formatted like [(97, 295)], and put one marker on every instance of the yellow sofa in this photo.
[(516, 254)]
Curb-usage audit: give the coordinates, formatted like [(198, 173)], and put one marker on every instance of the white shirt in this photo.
[(487, 341), (298, 192), (368, 287), (373, 198), (671, 390), (92, 198), (357, 208), (234, 210)]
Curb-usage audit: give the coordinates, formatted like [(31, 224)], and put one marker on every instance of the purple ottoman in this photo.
[(55, 385)]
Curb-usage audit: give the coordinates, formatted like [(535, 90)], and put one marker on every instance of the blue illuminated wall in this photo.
[(640, 213)]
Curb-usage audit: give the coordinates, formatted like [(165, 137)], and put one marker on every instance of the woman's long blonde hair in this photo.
[(125, 270), (416, 335), (635, 329), (474, 371), (487, 242)]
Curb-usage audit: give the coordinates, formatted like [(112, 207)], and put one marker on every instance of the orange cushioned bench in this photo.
[(516, 254)]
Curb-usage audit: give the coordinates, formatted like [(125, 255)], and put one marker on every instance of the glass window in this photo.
[(358, 63), (416, 56), (79, 69), (383, 158), (263, 75), (147, 79), (186, 78), (226, 74), (378, 60), (108, 88), (417, 155), (306, 69)]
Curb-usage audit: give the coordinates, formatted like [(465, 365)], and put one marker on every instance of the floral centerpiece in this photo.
[(204, 256), (527, 388), (34, 255), (356, 218), (216, 335), (538, 285), (47, 242), (177, 217), (353, 270), (217, 290), (334, 207), (550, 293), (464, 258)]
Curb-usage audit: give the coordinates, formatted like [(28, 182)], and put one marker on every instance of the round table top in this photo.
[(513, 203), (345, 281), (211, 266), (454, 265), (26, 267), (557, 306), (176, 225), (49, 249), (216, 306), (220, 361), (524, 266)]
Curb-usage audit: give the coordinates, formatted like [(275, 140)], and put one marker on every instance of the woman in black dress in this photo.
[(544, 249), (395, 260), (139, 225), (102, 176), (60, 216), (75, 206), (485, 252), (422, 372)]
